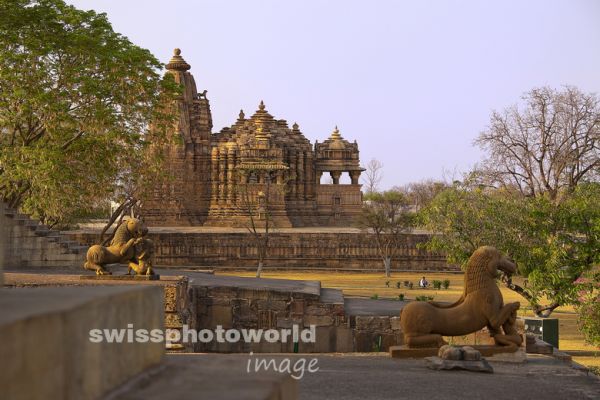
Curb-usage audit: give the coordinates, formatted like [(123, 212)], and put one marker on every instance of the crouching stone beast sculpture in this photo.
[(129, 246), (481, 305)]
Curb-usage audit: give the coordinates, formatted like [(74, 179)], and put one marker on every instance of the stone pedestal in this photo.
[(407, 352)]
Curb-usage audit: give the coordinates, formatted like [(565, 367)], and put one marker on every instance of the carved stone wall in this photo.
[(335, 251)]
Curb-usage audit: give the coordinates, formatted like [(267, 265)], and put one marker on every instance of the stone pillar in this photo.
[(309, 183), (294, 178), (222, 178), (355, 176), (214, 174), (300, 181), (335, 175), (230, 182), (318, 179)]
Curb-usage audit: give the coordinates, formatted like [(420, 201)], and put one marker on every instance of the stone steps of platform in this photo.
[(37, 245)]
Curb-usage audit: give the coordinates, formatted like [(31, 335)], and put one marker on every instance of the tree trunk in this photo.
[(540, 311), (387, 263), (259, 269)]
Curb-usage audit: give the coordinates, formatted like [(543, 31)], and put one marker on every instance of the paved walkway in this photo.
[(362, 377), (371, 377)]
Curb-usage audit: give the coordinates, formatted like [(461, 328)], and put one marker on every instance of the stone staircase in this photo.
[(30, 244)]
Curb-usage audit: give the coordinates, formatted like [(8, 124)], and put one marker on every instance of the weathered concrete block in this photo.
[(395, 323), (244, 315), (320, 309), (325, 341), (223, 292), (221, 315), (288, 323), (275, 305), (318, 320), (297, 307), (372, 323), (344, 340), (38, 364)]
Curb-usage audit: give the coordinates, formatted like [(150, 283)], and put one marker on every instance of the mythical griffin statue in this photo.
[(129, 245), (481, 305)]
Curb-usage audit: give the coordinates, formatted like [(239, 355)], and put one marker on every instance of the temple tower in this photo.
[(338, 204), (186, 199)]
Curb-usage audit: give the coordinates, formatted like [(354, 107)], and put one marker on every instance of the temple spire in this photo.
[(177, 63)]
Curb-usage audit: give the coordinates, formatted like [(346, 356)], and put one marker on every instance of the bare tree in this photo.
[(386, 218), (420, 194), (548, 146), (255, 201), (373, 175)]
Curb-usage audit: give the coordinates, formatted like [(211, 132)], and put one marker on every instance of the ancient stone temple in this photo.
[(258, 166)]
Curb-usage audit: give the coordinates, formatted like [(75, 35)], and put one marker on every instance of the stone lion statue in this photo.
[(128, 246), (481, 305)]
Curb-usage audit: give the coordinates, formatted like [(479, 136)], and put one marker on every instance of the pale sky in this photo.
[(414, 82)]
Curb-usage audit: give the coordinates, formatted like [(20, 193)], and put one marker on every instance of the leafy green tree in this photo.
[(535, 196), (76, 103), (588, 305), (385, 216), (553, 244)]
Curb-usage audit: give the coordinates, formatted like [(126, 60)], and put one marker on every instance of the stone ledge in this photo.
[(208, 376), (120, 277), (46, 350)]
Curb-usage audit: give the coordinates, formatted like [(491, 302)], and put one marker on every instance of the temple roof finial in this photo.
[(336, 133), (177, 63), (261, 106), (295, 126), (242, 115)]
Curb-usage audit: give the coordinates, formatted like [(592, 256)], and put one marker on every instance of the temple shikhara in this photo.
[(258, 166)]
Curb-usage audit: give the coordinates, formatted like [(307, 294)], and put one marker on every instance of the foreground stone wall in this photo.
[(335, 251), (177, 303), (46, 351), (244, 308)]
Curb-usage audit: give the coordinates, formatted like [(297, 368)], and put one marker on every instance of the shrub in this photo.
[(401, 297), (446, 283), (387, 283), (410, 285), (375, 296), (424, 298), (406, 283), (437, 284), (398, 284), (588, 306)]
